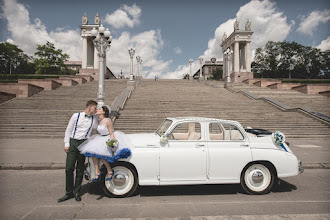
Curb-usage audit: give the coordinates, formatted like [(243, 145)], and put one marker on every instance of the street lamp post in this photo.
[(228, 54), (139, 61), (131, 51), (190, 62), (101, 39), (200, 70)]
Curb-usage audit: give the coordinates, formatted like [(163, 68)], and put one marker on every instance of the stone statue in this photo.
[(248, 25), (224, 37), (97, 19), (84, 19), (236, 25)]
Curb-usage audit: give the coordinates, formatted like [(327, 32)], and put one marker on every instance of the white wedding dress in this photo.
[(96, 146)]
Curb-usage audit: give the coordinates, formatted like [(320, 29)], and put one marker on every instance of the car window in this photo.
[(232, 132), (163, 127), (216, 132), (186, 131)]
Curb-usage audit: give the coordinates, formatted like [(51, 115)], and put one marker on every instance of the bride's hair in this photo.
[(106, 111)]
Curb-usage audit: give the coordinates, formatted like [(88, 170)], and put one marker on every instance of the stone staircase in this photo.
[(46, 114), (291, 98), (151, 102)]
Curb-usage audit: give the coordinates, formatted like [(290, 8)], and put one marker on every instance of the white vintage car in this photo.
[(191, 150)]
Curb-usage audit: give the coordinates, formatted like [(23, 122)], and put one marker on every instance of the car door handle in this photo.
[(200, 145), (244, 145)]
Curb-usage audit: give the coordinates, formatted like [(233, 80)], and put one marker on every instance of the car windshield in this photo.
[(163, 127)]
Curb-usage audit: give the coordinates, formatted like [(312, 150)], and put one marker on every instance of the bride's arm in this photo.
[(110, 128)]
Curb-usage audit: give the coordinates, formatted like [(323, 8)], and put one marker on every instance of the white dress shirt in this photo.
[(79, 128)]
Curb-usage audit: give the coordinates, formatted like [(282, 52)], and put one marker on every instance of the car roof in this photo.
[(200, 119)]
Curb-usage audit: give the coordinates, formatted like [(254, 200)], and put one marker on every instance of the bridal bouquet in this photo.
[(112, 143)]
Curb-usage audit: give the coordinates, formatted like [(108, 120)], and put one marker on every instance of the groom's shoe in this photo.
[(77, 197), (64, 198)]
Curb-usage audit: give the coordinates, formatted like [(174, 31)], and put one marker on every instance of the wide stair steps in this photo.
[(47, 113), (152, 101), (291, 98)]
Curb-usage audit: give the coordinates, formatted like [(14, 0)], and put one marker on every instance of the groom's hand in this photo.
[(66, 149)]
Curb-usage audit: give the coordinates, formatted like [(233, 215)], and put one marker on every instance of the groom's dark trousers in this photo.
[(72, 157)]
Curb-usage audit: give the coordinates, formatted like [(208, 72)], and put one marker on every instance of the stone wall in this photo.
[(78, 79), (4, 96), (251, 81), (266, 82), (326, 93), (283, 86), (312, 88), (47, 84), (66, 82), (240, 76), (20, 89)]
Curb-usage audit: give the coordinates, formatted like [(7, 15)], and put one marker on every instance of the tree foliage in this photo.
[(50, 60), (290, 59), (14, 61), (217, 74)]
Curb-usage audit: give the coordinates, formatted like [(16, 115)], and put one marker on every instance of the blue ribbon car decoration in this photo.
[(279, 139)]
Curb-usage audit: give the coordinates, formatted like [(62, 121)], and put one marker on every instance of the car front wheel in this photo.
[(124, 182), (257, 179)]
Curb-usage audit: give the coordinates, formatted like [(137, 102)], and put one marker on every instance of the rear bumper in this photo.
[(300, 167)]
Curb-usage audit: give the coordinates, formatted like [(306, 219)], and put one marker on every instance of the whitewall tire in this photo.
[(257, 179), (124, 182)]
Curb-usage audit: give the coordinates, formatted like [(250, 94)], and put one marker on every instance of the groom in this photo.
[(77, 131)]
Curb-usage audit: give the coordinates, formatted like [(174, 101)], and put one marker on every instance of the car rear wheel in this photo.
[(257, 179), (124, 182)]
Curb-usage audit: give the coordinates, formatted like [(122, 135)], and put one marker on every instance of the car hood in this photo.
[(144, 139)]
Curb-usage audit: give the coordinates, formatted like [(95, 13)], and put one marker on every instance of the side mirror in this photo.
[(164, 139)]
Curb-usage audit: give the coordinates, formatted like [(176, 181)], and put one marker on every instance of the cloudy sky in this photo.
[(166, 34)]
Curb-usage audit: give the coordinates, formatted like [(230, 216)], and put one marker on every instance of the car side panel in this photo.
[(286, 164), (146, 162)]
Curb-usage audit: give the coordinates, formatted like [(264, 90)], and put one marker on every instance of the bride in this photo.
[(97, 148)]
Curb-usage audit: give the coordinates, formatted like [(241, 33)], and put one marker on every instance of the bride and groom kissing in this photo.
[(79, 144)]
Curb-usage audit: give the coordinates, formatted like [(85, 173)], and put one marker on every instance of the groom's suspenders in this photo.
[(75, 128)]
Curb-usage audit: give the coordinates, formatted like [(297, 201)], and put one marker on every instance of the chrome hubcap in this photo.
[(119, 180), (257, 177)]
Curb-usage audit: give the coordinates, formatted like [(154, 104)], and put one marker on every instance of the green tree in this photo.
[(290, 59), (217, 74), (50, 60), (13, 60)]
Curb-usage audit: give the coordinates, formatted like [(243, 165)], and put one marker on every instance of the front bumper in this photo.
[(300, 167)]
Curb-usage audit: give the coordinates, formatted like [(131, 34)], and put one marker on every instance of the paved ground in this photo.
[(49, 154), (33, 194)]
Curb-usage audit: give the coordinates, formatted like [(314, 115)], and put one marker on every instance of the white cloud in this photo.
[(324, 45), (27, 35), (267, 24), (177, 50), (147, 45), (126, 16), (314, 19)]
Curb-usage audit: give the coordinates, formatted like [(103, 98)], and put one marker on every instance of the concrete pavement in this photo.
[(44, 154)]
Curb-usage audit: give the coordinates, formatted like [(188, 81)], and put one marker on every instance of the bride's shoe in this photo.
[(109, 178), (96, 179)]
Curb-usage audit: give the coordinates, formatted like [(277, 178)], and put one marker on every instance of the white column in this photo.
[(84, 53), (236, 57), (96, 59), (248, 57), (224, 69)]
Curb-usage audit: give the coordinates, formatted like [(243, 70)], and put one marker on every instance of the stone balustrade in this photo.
[(20, 89), (266, 82), (4, 96), (47, 84), (78, 79), (283, 86), (66, 82), (312, 88)]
